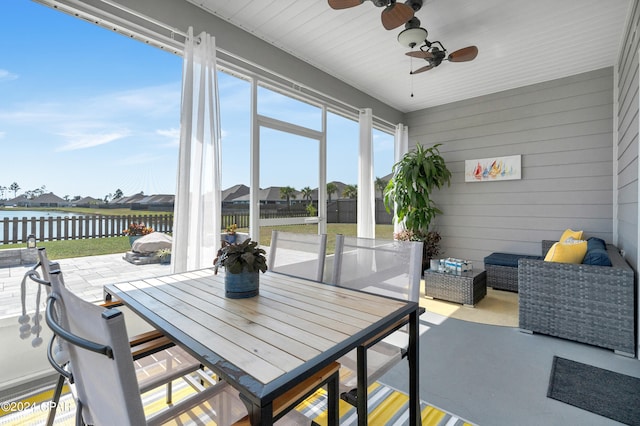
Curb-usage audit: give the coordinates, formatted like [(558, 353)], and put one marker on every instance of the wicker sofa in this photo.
[(584, 303)]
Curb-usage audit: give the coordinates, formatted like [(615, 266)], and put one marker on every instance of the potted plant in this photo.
[(164, 254), (415, 177), (242, 263), (231, 233), (136, 230)]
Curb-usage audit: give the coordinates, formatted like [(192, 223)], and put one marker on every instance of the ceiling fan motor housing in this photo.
[(416, 5)]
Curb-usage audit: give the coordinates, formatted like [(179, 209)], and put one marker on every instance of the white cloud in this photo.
[(172, 134), (7, 76), (85, 140), (148, 101)]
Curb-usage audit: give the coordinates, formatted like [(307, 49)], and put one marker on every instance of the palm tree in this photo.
[(287, 193), (380, 185), (15, 188), (306, 193), (2, 191), (331, 189), (350, 191), (118, 194)]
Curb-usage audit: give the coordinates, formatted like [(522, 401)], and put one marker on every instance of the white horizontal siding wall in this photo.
[(627, 140), (626, 150), (562, 129)]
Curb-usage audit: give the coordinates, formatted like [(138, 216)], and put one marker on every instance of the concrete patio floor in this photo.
[(85, 276)]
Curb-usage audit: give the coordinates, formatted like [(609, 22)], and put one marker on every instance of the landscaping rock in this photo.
[(151, 243)]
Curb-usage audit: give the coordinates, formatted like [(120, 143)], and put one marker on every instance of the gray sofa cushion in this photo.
[(596, 253), (507, 259)]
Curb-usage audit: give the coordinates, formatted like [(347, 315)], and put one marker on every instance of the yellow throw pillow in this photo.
[(567, 253), (576, 235)]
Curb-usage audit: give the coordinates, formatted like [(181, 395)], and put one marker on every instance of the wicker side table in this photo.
[(467, 288)]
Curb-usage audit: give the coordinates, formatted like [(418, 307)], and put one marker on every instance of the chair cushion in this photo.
[(571, 251), (569, 233), (507, 259), (596, 253)]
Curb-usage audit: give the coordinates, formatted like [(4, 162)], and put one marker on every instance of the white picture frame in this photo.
[(493, 169)]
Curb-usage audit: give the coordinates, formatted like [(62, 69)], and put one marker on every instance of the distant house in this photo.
[(239, 190), (270, 195), (154, 202), (127, 201), (47, 200), (19, 201), (338, 194), (87, 202)]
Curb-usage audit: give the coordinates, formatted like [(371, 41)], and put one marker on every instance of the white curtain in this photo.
[(197, 213), (401, 148), (366, 195)]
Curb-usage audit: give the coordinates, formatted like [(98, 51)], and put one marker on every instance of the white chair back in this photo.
[(105, 378), (300, 255), (386, 267)]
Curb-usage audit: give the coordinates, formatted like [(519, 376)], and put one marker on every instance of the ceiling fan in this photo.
[(435, 53), (393, 15)]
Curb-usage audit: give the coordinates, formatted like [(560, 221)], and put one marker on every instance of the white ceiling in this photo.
[(520, 42)]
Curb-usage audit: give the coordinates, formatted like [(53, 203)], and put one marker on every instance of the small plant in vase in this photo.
[(242, 263), (231, 233)]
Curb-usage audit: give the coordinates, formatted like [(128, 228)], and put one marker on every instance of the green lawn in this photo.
[(97, 246)]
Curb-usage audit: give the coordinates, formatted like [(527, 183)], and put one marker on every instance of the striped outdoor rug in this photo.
[(386, 407)]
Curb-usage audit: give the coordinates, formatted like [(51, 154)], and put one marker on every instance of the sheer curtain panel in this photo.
[(401, 145), (197, 213), (366, 214)]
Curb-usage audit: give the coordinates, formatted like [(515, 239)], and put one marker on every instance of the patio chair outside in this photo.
[(385, 267), (300, 255)]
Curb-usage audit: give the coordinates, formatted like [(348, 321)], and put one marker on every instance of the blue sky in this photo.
[(85, 111)]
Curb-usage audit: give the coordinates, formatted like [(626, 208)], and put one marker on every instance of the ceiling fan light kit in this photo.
[(413, 34)]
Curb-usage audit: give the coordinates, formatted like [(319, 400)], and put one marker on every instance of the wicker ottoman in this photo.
[(502, 270), (467, 288)]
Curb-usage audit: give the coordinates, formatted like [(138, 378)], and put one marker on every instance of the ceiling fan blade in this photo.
[(465, 54), (423, 69), (344, 4), (396, 14), (420, 54)]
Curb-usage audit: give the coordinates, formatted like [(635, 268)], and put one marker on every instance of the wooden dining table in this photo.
[(266, 344)]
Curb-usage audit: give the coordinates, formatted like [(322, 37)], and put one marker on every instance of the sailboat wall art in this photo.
[(497, 168)]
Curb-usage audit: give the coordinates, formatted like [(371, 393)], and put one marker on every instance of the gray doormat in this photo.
[(603, 392)]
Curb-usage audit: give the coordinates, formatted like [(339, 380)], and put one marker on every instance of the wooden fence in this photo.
[(16, 230)]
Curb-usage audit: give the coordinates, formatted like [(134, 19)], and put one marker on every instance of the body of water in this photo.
[(9, 229), (11, 213)]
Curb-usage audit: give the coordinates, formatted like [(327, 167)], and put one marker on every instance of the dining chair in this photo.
[(103, 373), (157, 359), (384, 267), (300, 255)]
